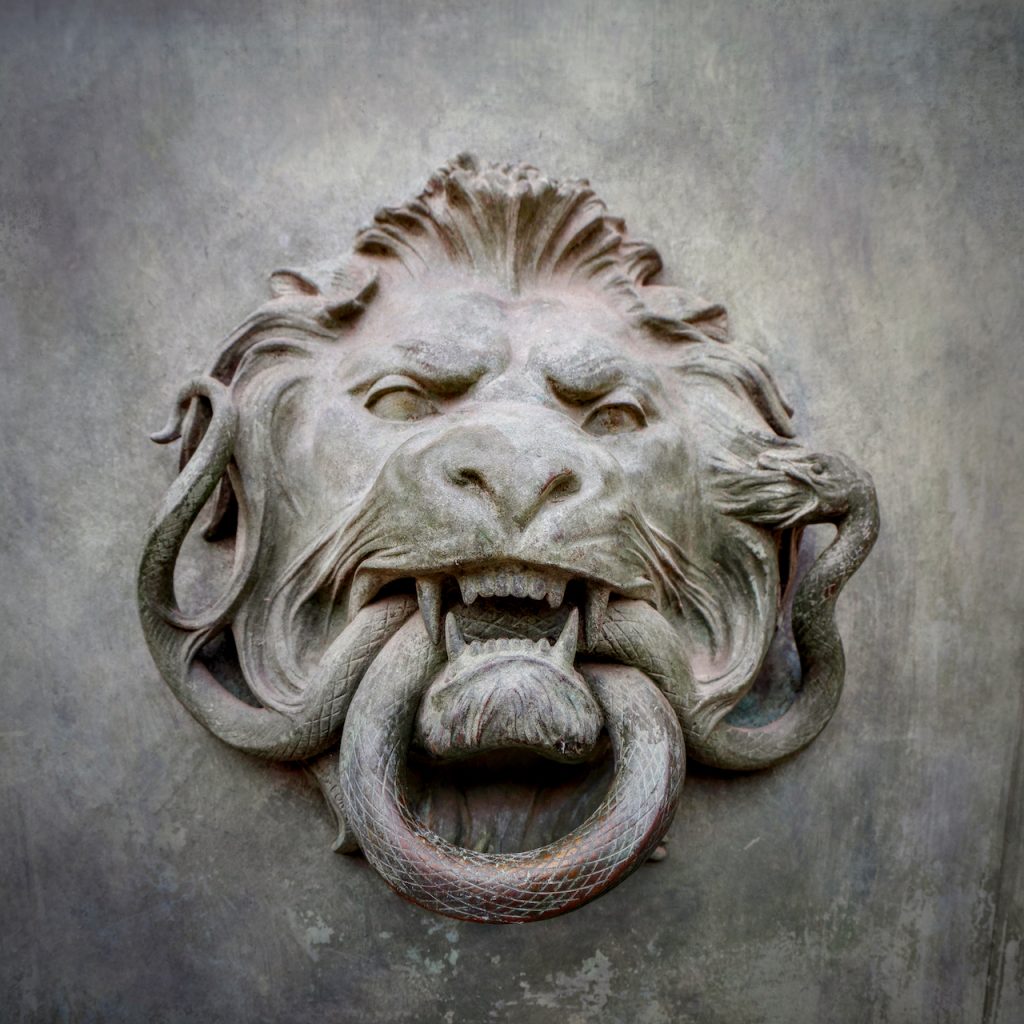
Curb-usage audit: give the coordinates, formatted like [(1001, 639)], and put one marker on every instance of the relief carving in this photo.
[(512, 531)]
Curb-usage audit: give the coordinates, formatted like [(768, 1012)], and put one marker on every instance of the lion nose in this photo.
[(517, 485)]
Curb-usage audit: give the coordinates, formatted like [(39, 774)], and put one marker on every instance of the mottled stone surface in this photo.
[(845, 177)]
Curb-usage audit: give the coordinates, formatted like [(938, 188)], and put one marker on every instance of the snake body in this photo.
[(372, 676), (517, 887), (174, 638), (845, 496)]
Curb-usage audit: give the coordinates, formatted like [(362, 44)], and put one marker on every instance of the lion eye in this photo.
[(399, 398), (615, 418)]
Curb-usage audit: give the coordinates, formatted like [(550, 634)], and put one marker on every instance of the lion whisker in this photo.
[(685, 585)]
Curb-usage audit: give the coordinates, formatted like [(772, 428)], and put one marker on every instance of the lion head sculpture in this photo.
[(512, 530)]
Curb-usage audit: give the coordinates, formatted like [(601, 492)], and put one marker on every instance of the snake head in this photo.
[(789, 487), (829, 480)]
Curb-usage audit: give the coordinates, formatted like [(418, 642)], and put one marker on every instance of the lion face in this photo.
[(512, 529), (494, 435)]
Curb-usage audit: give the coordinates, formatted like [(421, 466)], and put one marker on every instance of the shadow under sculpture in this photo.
[(511, 530)]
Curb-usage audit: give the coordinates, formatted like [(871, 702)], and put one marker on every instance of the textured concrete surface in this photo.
[(845, 176)]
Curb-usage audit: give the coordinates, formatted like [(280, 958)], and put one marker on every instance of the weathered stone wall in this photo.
[(846, 177)]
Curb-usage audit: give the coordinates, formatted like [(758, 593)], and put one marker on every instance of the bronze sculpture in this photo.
[(514, 530)]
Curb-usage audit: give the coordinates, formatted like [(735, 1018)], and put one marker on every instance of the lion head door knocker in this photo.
[(513, 531)]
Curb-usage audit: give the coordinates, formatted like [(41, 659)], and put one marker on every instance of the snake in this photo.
[(368, 685), (175, 638), (494, 888)]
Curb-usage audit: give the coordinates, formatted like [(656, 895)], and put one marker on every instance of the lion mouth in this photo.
[(523, 594)]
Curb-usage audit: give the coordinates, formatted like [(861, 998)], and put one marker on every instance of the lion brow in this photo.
[(435, 366), (594, 378)]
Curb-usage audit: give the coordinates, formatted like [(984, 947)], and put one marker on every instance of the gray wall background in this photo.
[(845, 176)]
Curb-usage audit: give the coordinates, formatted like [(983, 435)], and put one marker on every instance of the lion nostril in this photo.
[(467, 476), (559, 486)]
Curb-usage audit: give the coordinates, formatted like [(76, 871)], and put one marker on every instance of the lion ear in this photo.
[(674, 304), (291, 283)]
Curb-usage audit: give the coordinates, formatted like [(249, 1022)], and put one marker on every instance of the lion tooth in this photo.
[(469, 590), (596, 604), (564, 648), (537, 587), (453, 642), (428, 594), (518, 585), (556, 592), (365, 585)]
